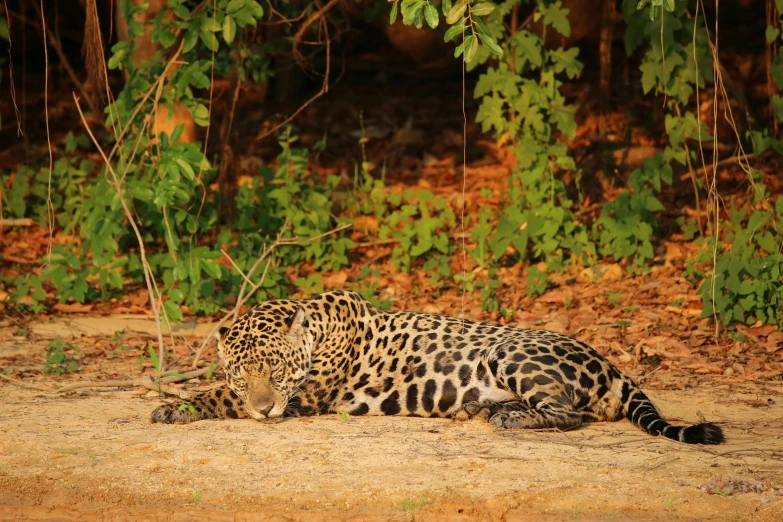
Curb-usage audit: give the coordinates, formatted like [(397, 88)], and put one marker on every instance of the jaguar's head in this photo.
[(266, 359)]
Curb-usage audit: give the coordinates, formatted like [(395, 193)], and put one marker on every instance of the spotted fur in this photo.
[(337, 352)]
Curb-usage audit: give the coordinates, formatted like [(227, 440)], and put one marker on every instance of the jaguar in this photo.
[(336, 352)]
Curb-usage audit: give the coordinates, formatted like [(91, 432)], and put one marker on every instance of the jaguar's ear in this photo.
[(220, 335), (298, 326)]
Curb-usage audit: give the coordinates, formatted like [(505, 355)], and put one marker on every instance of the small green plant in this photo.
[(196, 496), (614, 298), (537, 281), (186, 407), (677, 303), (413, 504), (736, 336), (622, 324), (746, 284), (57, 362), (626, 226), (343, 415), (670, 503)]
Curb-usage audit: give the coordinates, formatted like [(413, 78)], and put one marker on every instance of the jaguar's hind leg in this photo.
[(554, 412), (485, 410), (608, 408)]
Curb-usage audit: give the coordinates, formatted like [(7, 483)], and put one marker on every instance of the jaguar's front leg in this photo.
[(219, 403)]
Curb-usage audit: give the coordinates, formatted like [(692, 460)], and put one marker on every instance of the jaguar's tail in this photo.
[(642, 412)]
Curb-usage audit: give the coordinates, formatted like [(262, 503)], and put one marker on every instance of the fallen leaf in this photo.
[(556, 326), (667, 347), (70, 308), (335, 280), (704, 367), (774, 342)]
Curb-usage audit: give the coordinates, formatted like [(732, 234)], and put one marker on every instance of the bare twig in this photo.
[(22, 383), (318, 15), (242, 297), (300, 59), (233, 263), (662, 463), (132, 221), (66, 64), (134, 382), (140, 104), (11, 75)]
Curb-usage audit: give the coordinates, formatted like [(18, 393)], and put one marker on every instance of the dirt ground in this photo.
[(93, 455)]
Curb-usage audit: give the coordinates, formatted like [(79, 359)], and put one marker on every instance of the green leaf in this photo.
[(772, 34), (176, 295), (200, 114), (470, 49), (649, 76), (776, 70), (454, 30), (211, 268), (186, 169), (154, 356), (482, 9), (209, 39), (446, 7), (456, 13), (556, 16), (115, 279), (229, 29), (411, 11), (4, 33), (431, 15), (235, 5), (190, 40), (181, 11), (491, 45), (174, 313), (461, 47), (777, 105), (393, 13)]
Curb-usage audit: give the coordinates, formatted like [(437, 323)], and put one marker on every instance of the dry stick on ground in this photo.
[(22, 383), (129, 215), (242, 297), (22, 222), (141, 381)]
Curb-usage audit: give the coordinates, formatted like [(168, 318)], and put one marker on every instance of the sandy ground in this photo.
[(93, 455)]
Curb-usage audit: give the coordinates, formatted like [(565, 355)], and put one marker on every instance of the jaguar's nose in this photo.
[(263, 405), (265, 409)]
